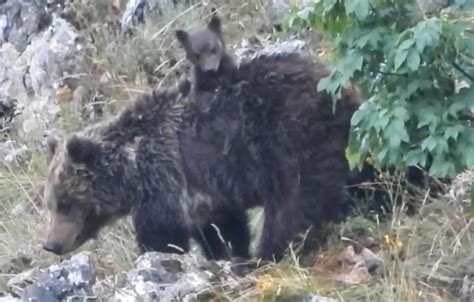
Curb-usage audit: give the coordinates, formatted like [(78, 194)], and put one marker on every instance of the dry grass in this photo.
[(425, 265), (424, 256), (436, 243)]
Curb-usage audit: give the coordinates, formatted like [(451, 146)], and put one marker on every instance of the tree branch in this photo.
[(461, 70)]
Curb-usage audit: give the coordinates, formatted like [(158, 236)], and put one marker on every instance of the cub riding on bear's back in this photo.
[(265, 137)]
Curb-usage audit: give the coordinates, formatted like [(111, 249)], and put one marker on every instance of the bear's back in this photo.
[(271, 109)]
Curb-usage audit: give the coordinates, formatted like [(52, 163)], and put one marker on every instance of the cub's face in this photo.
[(71, 196), (204, 47)]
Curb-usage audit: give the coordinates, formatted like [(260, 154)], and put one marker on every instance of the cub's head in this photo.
[(78, 191), (205, 46)]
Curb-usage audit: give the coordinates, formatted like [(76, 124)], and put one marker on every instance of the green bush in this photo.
[(415, 72)]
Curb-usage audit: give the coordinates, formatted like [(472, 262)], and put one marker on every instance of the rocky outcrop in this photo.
[(155, 277), (40, 54)]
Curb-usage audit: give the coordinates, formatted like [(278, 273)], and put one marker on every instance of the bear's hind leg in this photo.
[(279, 229), (230, 226)]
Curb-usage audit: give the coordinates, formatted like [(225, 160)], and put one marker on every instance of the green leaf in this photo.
[(441, 167), (328, 5), (453, 132), (371, 38), (455, 108), (400, 113), (382, 154), (463, 4), (382, 123), (413, 60), (402, 64), (305, 13), (426, 116), (353, 156), (406, 44), (413, 157), (465, 96), (429, 143), (354, 62), (442, 146), (360, 8), (396, 132), (393, 156), (427, 33), (332, 85), (400, 57), (357, 117), (405, 92), (472, 201)]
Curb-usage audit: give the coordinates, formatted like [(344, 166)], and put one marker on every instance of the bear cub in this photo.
[(205, 49)]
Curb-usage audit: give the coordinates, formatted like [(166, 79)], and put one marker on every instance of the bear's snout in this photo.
[(63, 233), (52, 247)]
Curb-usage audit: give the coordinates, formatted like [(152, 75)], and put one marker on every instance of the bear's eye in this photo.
[(64, 208), (213, 50), (195, 56)]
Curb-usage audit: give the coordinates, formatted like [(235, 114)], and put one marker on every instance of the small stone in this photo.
[(374, 266), (21, 209), (8, 298), (348, 254)]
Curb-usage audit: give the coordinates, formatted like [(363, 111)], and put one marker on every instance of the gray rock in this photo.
[(316, 298), (74, 277), (8, 298), (302, 298), (32, 70), (164, 277), (279, 8), (374, 266), (135, 10), (21, 21), (463, 285), (247, 51), (133, 14), (12, 152), (432, 6), (461, 187), (155, 277)]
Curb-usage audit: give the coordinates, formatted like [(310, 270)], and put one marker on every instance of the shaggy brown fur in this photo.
[(129, 164), (268, 138)]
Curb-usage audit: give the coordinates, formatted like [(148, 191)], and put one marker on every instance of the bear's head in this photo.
[(204, 47), (81, 191)]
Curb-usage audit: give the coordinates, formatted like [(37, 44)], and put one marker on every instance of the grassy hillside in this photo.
[(424, 255)]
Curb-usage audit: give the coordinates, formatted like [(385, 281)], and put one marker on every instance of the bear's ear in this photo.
[(215, 23), (182, 36), (50, 145), (82, 150), (184, 87)]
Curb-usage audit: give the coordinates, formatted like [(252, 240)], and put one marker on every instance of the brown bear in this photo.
[(222, 91), (267, 138), (270, 139), (129, 164), (205, 49)]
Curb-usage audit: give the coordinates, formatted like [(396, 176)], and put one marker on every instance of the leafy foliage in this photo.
[(472, 201), (416, 72)]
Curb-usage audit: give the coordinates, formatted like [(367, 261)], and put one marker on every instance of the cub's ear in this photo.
[(184, 86), (82, 150), (50, 145), (215, 23), (182, 36)]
